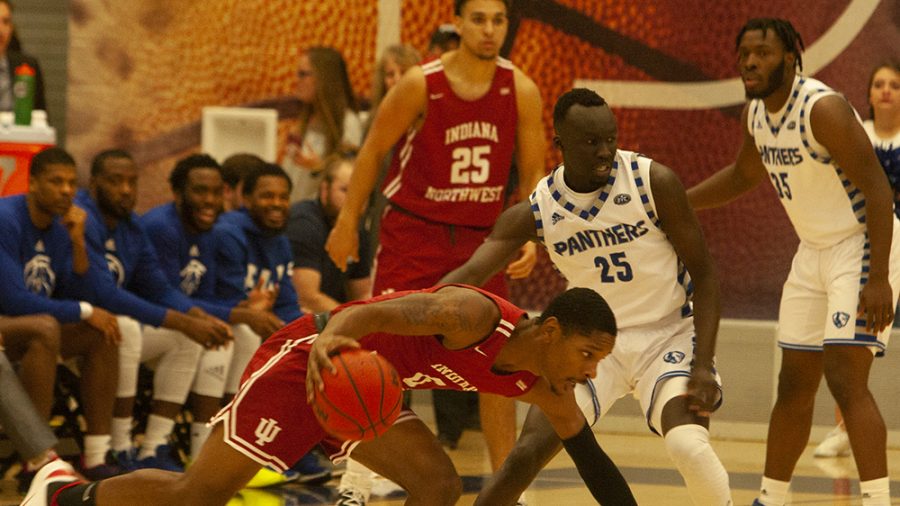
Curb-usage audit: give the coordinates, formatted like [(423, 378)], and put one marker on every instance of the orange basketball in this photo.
[(362, 399)]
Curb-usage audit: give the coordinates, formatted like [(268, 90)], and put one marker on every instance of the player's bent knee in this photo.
[(47, 333), (844, 391), (686, 442)]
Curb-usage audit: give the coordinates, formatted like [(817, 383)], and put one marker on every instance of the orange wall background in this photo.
[(140, 73)]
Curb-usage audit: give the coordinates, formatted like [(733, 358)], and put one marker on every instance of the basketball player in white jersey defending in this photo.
[(838, 301), (619, 223)]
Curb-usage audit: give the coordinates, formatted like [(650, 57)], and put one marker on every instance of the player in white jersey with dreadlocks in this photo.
[(838, 301)]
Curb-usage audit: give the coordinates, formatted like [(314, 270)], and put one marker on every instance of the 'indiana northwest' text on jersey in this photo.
[(614, 247), (455, 167), (821, 202)]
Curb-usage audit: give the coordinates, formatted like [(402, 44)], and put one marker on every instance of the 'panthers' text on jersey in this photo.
[(821, 202), (614, 247)]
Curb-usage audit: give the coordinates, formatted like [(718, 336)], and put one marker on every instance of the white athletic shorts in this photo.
[(821, 296), (643, 358)]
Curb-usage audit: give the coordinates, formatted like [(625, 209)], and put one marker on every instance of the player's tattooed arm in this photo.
[(461, 315)]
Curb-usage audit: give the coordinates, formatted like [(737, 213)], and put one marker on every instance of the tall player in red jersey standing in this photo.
[(456, 122)]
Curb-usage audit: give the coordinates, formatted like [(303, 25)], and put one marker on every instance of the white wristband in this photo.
[(87, 310)]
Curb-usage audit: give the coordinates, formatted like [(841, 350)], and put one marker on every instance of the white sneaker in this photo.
[(57, 472), (384, 487), (350, 497), (835, 444), (355, 486)]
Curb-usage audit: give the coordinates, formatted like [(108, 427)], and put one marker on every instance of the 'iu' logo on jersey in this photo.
[(673, 357), (622, 199), (556, 217), (266, 431), (420, 379), (840, 319)]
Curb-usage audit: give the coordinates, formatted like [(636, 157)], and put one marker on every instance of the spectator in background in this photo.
[(10, 58), (393, 63), (252, 247), (142, 295), (252, 254), (181, 232), (445, 38), (320, 285), (883, 129), (43, 269), (234, 169), (328, 121)]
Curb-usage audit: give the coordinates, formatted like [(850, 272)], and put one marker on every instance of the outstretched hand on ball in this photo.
[(320, 354)]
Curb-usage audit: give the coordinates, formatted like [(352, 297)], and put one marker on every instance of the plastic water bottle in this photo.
[(23, 94)]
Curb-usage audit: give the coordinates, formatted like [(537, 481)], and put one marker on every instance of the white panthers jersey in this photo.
[(821, 202), (615, 246)]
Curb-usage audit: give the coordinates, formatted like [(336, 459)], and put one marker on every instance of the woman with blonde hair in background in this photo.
[(328, 120), (394, 61)]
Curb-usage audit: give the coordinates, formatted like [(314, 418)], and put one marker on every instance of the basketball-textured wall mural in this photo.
[(140, 73)]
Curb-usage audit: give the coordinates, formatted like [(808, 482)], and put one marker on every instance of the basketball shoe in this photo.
[(835, 444), (164, 458), (355, 486), (47, 482), (266, 477)]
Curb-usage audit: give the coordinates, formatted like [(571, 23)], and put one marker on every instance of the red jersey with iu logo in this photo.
[(455, 167)]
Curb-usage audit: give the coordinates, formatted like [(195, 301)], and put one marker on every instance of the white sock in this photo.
[(199, 434), (876, 492), (357, 477), (773, 492), (121, 434), (703, 472), (157, 434), (95, 448)]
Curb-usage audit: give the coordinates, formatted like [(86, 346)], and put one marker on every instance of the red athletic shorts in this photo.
[(269, 420), (414, 253)]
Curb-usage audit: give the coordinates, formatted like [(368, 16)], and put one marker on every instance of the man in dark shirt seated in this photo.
[(320, 285)]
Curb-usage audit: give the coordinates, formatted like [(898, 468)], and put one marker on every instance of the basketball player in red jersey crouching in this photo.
[(449, 336)]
